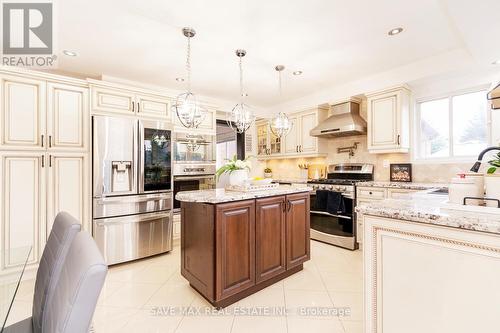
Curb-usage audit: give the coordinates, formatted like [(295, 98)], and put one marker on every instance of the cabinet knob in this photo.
[(371, 192)]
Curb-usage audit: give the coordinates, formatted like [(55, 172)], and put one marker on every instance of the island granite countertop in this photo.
[(403, 185), (425, 207), (221, 195)]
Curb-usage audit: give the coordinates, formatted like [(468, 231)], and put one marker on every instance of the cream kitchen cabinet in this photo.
[(22, 202), (68, 118), (107, 98), (293, 138), (389, 121), (68, 187), (267, 142), (24, 113)]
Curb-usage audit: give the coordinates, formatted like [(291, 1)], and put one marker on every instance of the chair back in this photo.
[(71, 307), (61, 236)]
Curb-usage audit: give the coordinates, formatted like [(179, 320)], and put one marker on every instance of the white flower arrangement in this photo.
[(233, 165)]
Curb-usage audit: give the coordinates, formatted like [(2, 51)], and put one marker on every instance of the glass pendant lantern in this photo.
[(190, 113), (241, 117), (280, 124)]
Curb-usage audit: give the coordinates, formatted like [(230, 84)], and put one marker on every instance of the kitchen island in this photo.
[(430, 266), (234, 244)]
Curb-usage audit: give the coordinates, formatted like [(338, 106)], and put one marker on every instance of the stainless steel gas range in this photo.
[(332, 204)]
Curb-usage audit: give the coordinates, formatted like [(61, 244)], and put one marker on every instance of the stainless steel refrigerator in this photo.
[(132, 187)]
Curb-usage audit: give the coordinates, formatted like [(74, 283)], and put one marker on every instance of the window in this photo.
[(452, 127)]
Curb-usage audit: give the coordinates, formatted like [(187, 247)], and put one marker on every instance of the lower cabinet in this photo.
[(297, 230), (270, 244), (35, 186), (235, 254)]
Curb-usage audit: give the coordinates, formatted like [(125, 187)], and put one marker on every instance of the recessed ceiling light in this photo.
[(70, 53), (297, 72), (179, 79), (395, 31), (496, 62)]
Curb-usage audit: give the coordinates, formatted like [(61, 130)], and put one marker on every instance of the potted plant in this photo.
[(492, 180), (237, 169), (268, 173)]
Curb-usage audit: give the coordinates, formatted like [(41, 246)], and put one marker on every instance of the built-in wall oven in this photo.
[(333, 218), (194, 163), (132, 187)]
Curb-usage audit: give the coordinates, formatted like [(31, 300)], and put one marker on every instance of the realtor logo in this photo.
[(27, 28)]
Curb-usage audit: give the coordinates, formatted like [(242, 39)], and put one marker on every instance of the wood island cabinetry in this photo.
[(233, 249)]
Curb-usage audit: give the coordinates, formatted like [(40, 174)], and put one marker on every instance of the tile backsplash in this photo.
[(425, 173)]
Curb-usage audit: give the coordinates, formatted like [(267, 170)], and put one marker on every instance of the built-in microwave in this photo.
[(194, 148)]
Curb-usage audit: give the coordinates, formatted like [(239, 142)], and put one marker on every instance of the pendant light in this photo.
[(190, 113), (280, 125), (241, 117)]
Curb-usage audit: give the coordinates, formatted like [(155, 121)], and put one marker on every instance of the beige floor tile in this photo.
[(110, 319), (132, 295), (172, 295), (340, 281), (304, 280), (296, 300), (109, 288), (314, 325), (155, 274), (268, 297), (205, 324), (351, 300), (352, 326), (145, 321), (252, 324)]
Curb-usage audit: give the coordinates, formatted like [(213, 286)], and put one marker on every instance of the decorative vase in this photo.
[(492, 182), (268, 175), (238, 177)]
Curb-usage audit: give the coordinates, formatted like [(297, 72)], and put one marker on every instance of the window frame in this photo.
[(416, 158)]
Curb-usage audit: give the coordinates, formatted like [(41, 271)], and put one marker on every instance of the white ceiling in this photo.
[(331, 41)]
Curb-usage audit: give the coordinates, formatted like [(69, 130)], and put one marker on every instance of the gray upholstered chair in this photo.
[(71, 304)]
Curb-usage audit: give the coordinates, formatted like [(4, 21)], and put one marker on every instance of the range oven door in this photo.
[(156, 157), (333, 229), (191, 183)]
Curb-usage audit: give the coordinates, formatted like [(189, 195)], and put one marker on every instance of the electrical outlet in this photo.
[(386, 163)]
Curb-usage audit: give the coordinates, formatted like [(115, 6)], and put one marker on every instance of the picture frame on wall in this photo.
[(400, 172)]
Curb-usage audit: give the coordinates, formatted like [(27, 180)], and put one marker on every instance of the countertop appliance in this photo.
[(194, 163), (338, 229), (344, 121), (132, 187)]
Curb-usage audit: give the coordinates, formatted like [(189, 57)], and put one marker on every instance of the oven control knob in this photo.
[(323, 187), (344, 188)]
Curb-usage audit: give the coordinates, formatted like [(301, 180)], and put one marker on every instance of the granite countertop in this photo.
[(403, 185), (291, 180), (430, 208), (221, 195)]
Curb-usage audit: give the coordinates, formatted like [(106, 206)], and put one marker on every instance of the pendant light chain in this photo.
[(241, 79), (188, 64)]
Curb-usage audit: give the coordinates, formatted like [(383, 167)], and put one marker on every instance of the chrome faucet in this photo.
[(477, 165)]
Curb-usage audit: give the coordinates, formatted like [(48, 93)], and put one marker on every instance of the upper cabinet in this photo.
[(68, 118), (110, 99), (24, 109), (298, 142), (389, 121)]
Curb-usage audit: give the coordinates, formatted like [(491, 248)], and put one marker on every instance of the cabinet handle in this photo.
[(133, 106), (283, 206), (138, 107), (399, 139), (50, 141), (43, 161), (50, 161), (297, 149), (42, 140), (289, 205), (300, 148)]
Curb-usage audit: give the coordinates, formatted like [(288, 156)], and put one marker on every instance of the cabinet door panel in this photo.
[(22, 206), (235, 239), (308, 143), (292, 139), (383, 121), (68, 188), (152, 106), (270, 238), (112, 100), (23, 118), (68, 117), (297, 229)]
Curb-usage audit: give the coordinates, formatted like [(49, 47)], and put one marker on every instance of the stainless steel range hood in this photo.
[(344, 121)]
